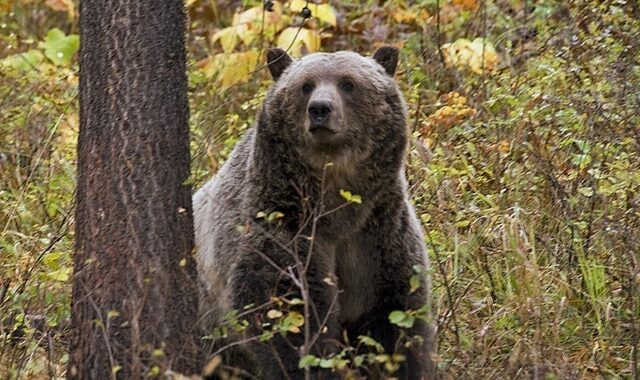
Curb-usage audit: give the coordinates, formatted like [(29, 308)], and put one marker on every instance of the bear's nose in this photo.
[(319, 111)]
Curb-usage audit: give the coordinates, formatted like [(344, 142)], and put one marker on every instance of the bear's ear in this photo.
[(277, 60), (387, 57)]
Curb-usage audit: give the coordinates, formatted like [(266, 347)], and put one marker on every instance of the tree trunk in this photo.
[(134, 291)]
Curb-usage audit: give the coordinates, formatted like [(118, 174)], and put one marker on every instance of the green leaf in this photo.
[(462, 223), (308, 361), (52, 260), (274, 216), (266, 336), (296, 301), (414, 283), (326, 363), (61, 274), (24, 61), (369, 341), (401, 319), (157, 353), (586, 191), (396, 316), (60, 48)]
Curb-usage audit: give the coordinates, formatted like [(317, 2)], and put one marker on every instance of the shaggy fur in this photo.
[(330, 122)]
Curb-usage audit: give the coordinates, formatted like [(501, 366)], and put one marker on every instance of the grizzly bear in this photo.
[(311, 214)]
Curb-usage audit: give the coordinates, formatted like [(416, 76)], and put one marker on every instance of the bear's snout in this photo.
[(319, 112)]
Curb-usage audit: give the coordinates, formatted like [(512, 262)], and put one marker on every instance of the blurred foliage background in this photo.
[(524, 165)]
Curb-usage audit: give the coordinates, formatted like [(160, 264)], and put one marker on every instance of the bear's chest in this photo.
[(355, 267)]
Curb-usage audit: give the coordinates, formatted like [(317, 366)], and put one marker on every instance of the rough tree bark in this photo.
[(134, 292)]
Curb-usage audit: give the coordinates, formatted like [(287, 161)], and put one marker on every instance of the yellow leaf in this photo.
[(457, 53), (6, 5), (68, 130), (306, 37), (157, 353), (351, 198), (295, 318), (453, 99), (112, 314), (326, 13), (467, 54), (273, 314), (250, 16), (247, 25), (454, 111), (231, 69), (228, 37), (61, 274), (323, 12), (255, 21), (297, 5), (504, 146), (470, 5), (403, 17), (480, 46)]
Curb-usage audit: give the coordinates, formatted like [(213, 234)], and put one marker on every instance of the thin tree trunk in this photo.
[(134, 291)]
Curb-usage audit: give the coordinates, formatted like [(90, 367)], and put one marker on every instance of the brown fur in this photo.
[(344, 110)]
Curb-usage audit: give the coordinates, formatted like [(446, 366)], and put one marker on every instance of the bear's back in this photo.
[(217, 211)]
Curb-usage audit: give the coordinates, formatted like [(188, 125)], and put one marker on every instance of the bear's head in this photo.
[(340, 107)]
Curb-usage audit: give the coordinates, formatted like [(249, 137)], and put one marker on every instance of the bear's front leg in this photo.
[(417, 363), (280, 277), (396, 250)]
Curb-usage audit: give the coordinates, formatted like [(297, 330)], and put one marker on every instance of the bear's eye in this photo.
[(307, 87), (346, 85)]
